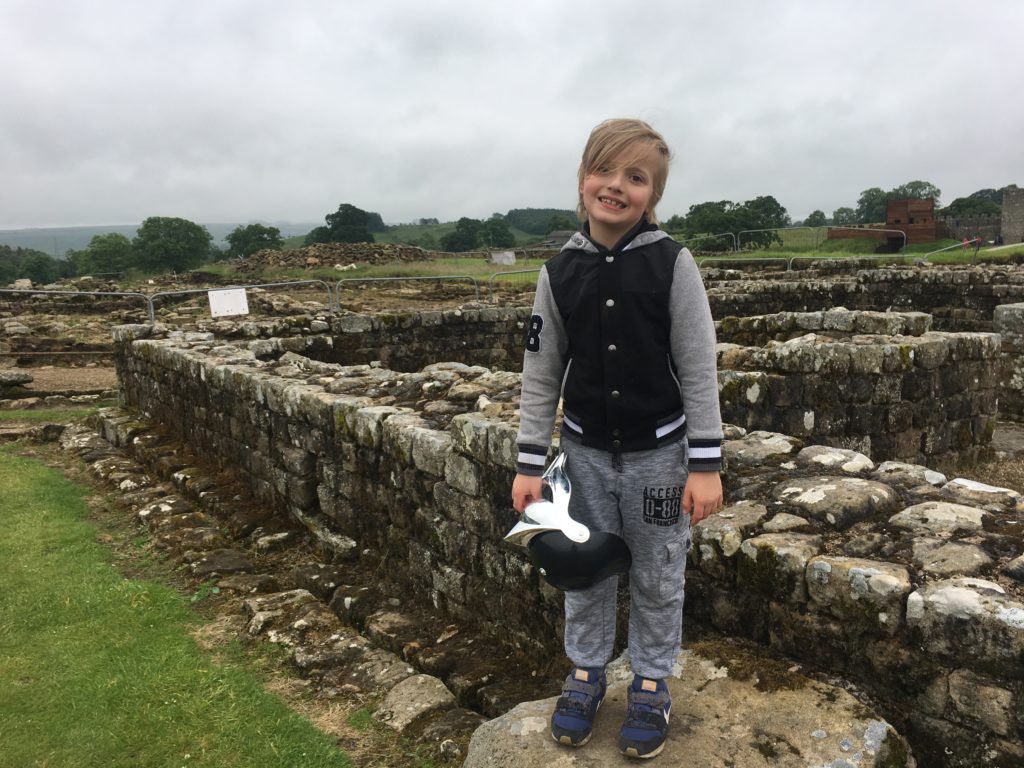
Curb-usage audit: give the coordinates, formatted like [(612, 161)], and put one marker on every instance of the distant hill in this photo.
[(57, 241)]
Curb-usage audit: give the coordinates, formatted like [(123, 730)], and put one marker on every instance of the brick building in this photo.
[(915, 217)]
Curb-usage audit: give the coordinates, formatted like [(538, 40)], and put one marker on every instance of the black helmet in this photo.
[(568, 554), (567, 565)]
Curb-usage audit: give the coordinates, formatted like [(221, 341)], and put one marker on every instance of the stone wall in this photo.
[(881, 383), (1013, 216), (959, 298), (405, 463), (1009, 324), (989, 227), (905, 583), (489, 336)]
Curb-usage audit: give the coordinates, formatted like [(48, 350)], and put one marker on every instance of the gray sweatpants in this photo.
[(638, 496)]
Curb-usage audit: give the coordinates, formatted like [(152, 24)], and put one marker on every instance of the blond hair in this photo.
[(609, 141)]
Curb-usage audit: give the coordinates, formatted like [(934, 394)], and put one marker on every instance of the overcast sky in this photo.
[(246, 110)]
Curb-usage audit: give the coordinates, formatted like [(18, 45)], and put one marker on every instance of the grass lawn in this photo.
[(53, 415), (98, 670)]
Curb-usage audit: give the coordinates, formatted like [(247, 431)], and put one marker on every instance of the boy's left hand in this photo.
[(702, 495)]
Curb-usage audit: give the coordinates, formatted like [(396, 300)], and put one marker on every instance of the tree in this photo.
[(994, 195), (465, 237), (674, 223), (165, 243), (495, 233), (346, 225), (426, 241), (374, 222), (39, 268), (107, 253), (317, 235), (721, 216), (561, 222), (842, 217), (916, 190), (536, 221), (971, 206), (13, 265), (246, 240), (815, 219), (871, 206), (765, 212), (710, 218)]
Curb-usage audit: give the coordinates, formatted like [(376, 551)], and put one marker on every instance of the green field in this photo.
[(427, 236), (100, 671)]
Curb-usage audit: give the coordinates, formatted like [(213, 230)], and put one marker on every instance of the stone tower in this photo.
[(1013, 216)]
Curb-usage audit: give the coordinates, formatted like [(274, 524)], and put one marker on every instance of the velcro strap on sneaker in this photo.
[(579, 686), (655, 700)]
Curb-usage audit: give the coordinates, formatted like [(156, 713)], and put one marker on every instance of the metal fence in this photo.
[(976, 242), (337, 288), (503, 275), (742, 232), (872, 229), (331, 303), (738, 259), (151, 299), (701, 238)]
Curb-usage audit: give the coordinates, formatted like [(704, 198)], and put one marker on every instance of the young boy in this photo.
[(621, 329)]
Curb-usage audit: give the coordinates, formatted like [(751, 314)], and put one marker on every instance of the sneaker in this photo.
[(573, 719), (643, 733)]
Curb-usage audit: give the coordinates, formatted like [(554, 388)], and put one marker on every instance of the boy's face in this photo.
[(617, 195)]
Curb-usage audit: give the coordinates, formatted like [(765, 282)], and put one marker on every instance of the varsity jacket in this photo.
[(625, 337)]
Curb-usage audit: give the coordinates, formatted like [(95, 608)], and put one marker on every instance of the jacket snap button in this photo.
[(612, 347), (610, 303), (615, 393)]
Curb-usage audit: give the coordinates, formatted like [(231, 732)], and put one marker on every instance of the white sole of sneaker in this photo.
[(569, 742), (633, 753)]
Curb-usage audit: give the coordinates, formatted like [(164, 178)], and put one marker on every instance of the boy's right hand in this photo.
[(526, 490)]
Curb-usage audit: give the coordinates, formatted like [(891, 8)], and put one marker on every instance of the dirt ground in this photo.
[(74, 380)]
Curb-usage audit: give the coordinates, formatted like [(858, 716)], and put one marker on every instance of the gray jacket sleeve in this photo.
[(693, 352), (543, 371)]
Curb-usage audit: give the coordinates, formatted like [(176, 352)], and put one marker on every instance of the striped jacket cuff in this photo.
[(704, 455), (531, 459)]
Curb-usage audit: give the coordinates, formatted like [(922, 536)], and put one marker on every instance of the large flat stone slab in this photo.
[(729, 709)]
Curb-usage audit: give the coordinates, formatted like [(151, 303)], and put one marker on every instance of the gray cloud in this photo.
[(231, 111)]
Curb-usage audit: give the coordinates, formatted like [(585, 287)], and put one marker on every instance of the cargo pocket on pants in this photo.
[(673, 567)]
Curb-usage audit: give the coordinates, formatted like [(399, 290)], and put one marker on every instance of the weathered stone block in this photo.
[(501, 444), (430, 450), (469, 434), (972, 621), (397, 434), (868, 593), (773, 565), (462, 473), (368, 425), (717, 538), (839, 501)]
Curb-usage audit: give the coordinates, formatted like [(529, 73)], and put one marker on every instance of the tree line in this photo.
[(872, 202), (167, 244)]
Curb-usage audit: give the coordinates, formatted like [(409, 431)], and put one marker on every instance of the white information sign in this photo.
[(228, 301), (504, 258)]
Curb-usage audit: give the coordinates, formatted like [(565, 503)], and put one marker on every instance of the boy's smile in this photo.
[(617, 196)]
